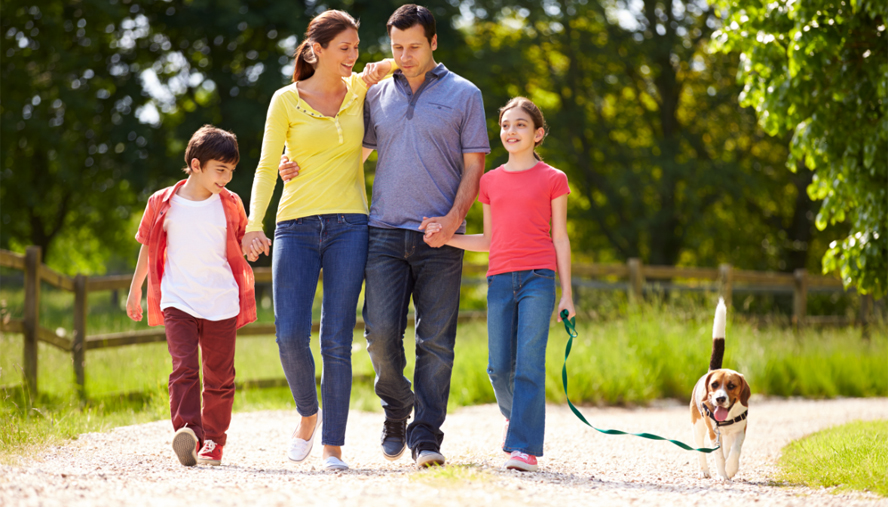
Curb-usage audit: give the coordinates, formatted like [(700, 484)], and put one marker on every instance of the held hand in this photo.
[(566, 303), (255, 243), (375, 71), (288, 169), (134, 304), (440, 236), (431, 229)]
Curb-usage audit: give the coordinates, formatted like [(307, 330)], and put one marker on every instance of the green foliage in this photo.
[(663, 162), (849, 457), (100, 98), (74, 156), (819, 69)]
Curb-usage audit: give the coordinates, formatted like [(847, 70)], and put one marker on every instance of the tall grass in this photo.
[(623, 355)]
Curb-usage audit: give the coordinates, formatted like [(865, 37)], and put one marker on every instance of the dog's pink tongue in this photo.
[(720, 414)]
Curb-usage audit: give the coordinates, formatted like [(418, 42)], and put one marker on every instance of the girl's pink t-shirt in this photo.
[(520, 215)]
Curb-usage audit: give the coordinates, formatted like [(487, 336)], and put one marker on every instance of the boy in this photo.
[(199, 287)]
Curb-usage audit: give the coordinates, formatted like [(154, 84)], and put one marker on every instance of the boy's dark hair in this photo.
[(410, 15), (211, 143)]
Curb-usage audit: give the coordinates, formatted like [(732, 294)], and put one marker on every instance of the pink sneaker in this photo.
[(210, 454), (522, 461)]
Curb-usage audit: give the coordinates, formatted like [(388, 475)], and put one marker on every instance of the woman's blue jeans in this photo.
[(302, 248), (519, 308)]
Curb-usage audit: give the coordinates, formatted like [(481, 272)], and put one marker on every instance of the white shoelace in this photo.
[(521, 455), (209, 445)]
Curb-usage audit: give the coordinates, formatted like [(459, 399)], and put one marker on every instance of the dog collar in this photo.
[(725, 423)]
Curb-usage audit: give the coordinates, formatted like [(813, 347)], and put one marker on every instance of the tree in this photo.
[(645, 121), (100, 97), (73, 152), (819, 69)]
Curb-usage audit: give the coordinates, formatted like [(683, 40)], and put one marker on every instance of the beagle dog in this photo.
[(719, 406)]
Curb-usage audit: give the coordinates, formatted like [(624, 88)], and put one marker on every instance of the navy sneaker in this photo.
[(394, 439), (425, 455)]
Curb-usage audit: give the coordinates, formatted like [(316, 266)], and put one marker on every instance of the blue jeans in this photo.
[(302, 247), (519, 307), (401, 264)]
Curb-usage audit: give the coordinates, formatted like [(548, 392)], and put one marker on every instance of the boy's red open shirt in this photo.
[(152, 234)]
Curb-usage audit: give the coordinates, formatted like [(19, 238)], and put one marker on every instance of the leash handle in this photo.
[(570, 325)]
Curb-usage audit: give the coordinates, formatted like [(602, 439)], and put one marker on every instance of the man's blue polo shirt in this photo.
[(421, 139)]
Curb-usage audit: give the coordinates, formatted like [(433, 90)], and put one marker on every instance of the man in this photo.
[(429, 129), (428, 126)]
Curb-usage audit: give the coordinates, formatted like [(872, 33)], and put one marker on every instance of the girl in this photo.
[(321, 222), (520, 199)]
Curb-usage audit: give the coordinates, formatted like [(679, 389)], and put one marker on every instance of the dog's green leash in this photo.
[(571, 328)]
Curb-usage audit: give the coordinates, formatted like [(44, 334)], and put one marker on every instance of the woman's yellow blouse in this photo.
[(327, 149)]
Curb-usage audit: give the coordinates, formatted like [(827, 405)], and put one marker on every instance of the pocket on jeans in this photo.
[(356, 219), (544, 273), (287, 224)]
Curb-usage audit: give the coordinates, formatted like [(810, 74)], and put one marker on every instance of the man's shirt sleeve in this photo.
[(473, 131)]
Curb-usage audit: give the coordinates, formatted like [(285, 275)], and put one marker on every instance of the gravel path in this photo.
[(135, 466)]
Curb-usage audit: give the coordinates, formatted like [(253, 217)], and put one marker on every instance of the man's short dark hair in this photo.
[(410, 15), (211, 143)]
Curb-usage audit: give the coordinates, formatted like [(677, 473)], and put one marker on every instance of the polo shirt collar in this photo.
[(438, 72)]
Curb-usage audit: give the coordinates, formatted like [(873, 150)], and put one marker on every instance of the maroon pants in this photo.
[(215, 339)]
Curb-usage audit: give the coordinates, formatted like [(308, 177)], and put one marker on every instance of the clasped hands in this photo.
[(438, 230)]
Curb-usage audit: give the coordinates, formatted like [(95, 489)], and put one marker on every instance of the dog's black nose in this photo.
[(721, 399)]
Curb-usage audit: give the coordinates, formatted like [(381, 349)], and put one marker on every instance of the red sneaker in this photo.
[(210, 454), (522, 461), (185, 446)]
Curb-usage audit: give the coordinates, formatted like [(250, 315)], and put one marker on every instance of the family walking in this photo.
[(429, 129)]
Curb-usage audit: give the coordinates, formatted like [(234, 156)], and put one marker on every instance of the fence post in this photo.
[(800, 298), (78, 344), (866, 302), (636, 279), (32, 317), (725, 282)]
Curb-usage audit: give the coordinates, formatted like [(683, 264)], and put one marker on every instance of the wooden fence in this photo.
[(725, 277)]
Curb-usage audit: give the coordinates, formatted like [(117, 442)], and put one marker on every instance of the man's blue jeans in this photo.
[(401, 264), (519, 308), (302, 247)]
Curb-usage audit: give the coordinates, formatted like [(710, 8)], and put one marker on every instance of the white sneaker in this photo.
[(299, 448), (334, 464)]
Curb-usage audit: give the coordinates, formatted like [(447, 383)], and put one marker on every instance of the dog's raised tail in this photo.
[(718, 336)]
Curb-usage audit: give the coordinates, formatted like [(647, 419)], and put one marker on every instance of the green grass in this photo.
[(622, 357), (849, 457), (453, 476)]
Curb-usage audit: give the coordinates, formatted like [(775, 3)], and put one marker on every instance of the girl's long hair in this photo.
[(322, 29), (535, 115)]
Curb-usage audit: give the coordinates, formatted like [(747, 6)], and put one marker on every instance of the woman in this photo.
[(321, 222)]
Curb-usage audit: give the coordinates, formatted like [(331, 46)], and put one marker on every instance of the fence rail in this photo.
[(635, 273)]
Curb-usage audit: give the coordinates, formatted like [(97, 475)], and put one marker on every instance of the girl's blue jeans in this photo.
[(302, 247), (519, 307)]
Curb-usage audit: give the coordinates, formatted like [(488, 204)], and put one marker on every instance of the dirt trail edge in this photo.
[(134, 465)]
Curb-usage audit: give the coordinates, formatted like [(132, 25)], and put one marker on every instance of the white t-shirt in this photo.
[(197, 278)]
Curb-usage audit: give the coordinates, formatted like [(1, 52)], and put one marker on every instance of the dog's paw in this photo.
[(704, 474), (731, 470)]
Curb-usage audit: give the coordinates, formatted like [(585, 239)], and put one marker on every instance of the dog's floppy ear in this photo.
[(744, 391)]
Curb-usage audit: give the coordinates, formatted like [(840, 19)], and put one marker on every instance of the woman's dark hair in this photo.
[(322, 29), (535, 115), (211, 143), (410, 15)]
